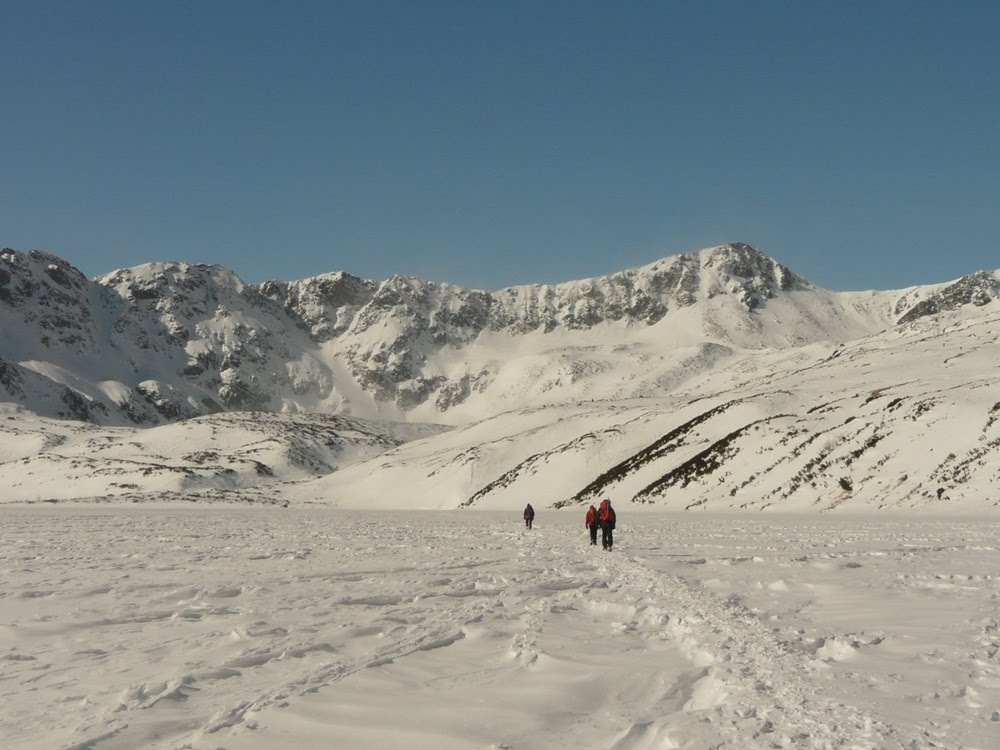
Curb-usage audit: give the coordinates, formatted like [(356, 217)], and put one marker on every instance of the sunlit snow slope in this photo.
[(168, 341), (716, 379), (909, 418)]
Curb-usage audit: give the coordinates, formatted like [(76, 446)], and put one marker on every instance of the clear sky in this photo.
[(496, 143)]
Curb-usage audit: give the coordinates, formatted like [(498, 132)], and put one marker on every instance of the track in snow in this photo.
[(255, 628)]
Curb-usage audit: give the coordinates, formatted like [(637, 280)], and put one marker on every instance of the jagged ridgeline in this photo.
[(711, 380), (168, 341)]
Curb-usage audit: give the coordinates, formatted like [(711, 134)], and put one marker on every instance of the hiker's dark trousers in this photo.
[(607, 537), (593, 534)]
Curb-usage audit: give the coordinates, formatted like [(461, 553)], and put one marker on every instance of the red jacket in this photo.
[(606, 514), (591, 516)]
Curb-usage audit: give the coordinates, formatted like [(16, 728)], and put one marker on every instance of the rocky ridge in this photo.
[(163, 342)]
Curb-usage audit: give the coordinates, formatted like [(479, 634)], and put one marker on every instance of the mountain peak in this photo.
[(739, 260), (164, 341)]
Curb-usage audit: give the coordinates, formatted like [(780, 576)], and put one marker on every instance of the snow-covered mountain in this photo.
[(905, 419), (168, 341), (711, 379)]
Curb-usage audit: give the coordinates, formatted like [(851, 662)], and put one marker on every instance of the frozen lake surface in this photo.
[(253, 628)]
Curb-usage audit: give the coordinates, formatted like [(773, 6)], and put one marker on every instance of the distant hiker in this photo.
[(529, 515), (591, 522), (606, 517)]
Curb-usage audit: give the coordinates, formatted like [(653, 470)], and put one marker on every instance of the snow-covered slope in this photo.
[(717, 379), (909, 418), (168, 341), (199, 458)]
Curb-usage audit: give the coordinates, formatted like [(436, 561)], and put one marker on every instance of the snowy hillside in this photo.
[(200, 458), (909, 418), (713, 380), (168, 341)]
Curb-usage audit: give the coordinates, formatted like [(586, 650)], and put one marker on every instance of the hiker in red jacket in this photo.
[(529, 515), (591, 522), (606, 517)]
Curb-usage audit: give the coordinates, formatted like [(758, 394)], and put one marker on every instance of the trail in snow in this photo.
[(259, 628)]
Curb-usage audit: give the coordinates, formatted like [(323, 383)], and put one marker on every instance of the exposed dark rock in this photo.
[(977, 289), (11, 380), (78, 407)]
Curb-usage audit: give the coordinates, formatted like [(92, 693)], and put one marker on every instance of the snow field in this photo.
[(249, 628)]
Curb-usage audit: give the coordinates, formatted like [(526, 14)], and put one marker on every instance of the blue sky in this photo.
[(496, 143)]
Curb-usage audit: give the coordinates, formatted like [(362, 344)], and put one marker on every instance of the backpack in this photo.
[(607, 514)]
